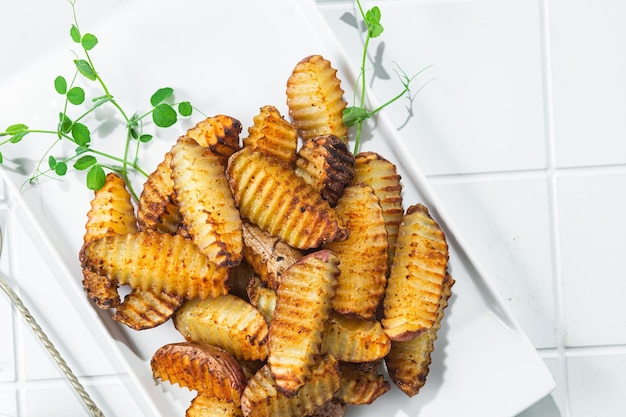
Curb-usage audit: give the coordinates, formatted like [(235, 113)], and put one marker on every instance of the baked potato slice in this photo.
[(415, 284), (355, 340), (206, 203), (408, 363), (303, 305), (274, 198), (381, 174), (200, 367), (204, 405), (363, 255), (262, 397), (360, 386), (157, 262), (273, 135), (315, 99), (226, 321), (326, 164)]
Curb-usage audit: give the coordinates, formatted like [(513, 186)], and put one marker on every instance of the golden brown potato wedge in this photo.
[(111, 213), (303, 305), (326, 164), (157, 208), (267, 254), (273, 135), (219, 133), (226, 321), (206, 203), (408, 363), (274, 198), (200, 367), (415, 284), (155, 261), (381, 174), (363, 255), (355, 340), (315, 99), (262, 397), (204, 405), (146, 309), (359, 386)]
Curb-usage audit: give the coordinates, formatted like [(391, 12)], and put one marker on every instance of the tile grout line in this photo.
[(552, 183)]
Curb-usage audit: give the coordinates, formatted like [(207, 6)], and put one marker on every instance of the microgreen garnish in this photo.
[(72, 127), (356, 115)]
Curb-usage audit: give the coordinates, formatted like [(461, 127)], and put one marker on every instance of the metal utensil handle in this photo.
[(80, 390)]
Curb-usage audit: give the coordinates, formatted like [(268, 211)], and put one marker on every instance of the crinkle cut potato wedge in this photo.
[(157, 208), (111, 212), (262, 398), (363, 255), (326, 164), (355, 340), (268, 255), (315, 99), (360, 386), (200, 367), (408, 363), (415, 284), (273, 197), (146, 309), (273, 135), (226, 321), (155, 261), (206, 203), (374, 170), (303, 305), (204, 405)]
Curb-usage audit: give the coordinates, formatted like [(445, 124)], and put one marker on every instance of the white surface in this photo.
[(520, 130), (485, 131)]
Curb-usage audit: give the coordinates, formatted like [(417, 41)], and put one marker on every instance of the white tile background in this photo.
[(519, 127)]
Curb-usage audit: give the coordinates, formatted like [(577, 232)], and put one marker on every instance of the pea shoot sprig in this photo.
[(72, 125), (356, 115)]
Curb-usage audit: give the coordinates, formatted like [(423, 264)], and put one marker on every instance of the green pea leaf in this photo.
[(1, 158), (354, 115), (81, 134), (89, 41), (60, 85), (17, 137), (160, 95), (145, 138), (133, 133), (164, 115), (76, 95), (61, 168), (52, 162), (16, 128), (85, 162), (65, 123), (372, 19), (95, 177), (185, 109), (75, 34), (85, 69)]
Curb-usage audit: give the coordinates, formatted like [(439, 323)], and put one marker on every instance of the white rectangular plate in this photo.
[(230, 58)]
